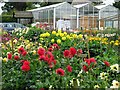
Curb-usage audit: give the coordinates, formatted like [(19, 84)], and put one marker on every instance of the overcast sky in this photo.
[(108, 1)]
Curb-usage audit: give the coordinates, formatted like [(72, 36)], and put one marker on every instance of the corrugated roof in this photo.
[(46, 7)]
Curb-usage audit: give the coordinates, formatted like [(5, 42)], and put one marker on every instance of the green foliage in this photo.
[(8, 18), (117, 5), (9, 6)]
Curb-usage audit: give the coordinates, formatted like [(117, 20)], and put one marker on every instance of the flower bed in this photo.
[(59, 60)]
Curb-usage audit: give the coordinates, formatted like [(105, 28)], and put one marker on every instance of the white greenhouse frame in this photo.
[(81, 16), (88, 10), (107, 11), (61, 11)]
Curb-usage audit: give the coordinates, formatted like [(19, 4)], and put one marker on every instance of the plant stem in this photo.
[(88, 48), (12, 44)]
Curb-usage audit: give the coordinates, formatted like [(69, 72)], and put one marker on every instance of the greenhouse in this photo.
[(87, 16), (57, 16), (108, 16), (65, 16)]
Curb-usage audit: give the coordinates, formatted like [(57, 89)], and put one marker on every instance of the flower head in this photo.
[(15, 41), (115, 83), (63, 38), (9, 55), (107, 63), (54, 32), (59, 41), (85, 68), (113, 88), (80, 36), (26, 62), (103, 75), (60, 71), (72, 51), (69, 68), (114, 68), (52, 40), (66, 53), (42, 57), (16, 57), (24, 53), (5, 60), (25, 67), (96, 86), (21, 50), (41, 51)]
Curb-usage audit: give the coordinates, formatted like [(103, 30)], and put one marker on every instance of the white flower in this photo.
[(112, 88), (96, 86), (16, 54), (15, 41), (115, 83), (103, 75), (115, 67)]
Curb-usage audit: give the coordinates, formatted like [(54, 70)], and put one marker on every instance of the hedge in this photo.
[(8, 18)]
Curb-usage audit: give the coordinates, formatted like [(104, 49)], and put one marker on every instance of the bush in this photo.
[(8, 18)]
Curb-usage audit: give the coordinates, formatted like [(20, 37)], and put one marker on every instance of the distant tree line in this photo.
[(22, 6), (117, 5)]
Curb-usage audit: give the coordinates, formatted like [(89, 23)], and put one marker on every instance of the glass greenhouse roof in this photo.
[(48, 7)]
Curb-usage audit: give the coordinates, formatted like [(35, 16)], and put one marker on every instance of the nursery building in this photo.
[(56, 16), (65, 16)]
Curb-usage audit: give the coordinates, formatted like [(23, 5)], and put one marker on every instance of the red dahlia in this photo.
[(56, 46), (50, 49), (107, 63), (41, 51), (24, 53), (60, 71), (25, 67), (16, 57), (26, 62), (92, 60), (9, 55), (66, 53), (69, 68), (72, 51), (42, 57), (89, 61), (21, 50), (85, 68)]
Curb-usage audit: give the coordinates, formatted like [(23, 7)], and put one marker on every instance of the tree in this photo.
[(117, 5), (10, 6)]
